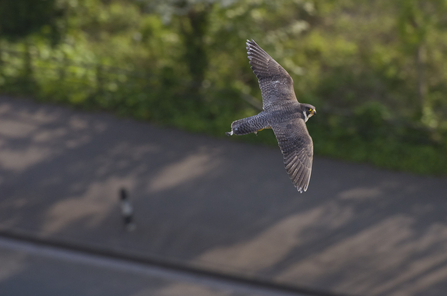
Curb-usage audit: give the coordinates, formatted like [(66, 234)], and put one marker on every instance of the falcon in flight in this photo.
[(282, 113)]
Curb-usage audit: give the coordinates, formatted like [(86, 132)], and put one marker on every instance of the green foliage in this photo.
[(375, 70), (19, 19)]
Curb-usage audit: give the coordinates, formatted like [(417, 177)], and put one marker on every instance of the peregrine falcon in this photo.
[(282, 113)]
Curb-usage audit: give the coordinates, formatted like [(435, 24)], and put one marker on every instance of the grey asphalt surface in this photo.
[(33, 269), (219, 204)]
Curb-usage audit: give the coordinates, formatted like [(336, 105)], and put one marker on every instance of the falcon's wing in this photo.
[(297, 149), (275, 83)]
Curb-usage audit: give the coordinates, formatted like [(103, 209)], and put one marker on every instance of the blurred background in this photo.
[(100, 95), (374, 69)]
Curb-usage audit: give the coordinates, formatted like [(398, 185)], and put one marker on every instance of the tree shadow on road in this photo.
[(221, 205)]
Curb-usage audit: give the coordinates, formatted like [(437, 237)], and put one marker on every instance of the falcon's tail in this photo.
[(249, 125)]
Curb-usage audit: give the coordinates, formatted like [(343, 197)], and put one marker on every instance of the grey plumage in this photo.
[(282, 113)]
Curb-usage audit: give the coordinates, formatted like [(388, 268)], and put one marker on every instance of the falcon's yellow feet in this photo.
[(256, 132)]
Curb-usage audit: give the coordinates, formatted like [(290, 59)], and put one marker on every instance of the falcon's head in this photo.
[(308, 111)]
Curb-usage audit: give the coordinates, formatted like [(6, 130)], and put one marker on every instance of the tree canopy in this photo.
[(375, 70), (19, 19)]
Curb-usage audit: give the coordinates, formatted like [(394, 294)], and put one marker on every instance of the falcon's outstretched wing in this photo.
[(297, 149), (275, 83)]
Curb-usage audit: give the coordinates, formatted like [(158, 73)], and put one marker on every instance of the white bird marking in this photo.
[(305, 116)]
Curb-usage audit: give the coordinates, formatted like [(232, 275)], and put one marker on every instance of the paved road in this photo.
[(219, 204), (32, 269)]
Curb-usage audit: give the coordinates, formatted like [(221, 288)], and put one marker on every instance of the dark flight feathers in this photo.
[(297, 150), (278, 94), (275, 83)]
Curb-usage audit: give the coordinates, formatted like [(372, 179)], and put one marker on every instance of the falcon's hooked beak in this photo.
[(313, 111)]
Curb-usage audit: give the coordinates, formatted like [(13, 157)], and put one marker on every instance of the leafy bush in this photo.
[(183, 64)]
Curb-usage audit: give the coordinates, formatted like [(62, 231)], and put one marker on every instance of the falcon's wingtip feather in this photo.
[(302, 189), (250, 43)]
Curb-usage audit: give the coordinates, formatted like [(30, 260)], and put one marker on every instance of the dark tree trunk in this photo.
[(193, 29)]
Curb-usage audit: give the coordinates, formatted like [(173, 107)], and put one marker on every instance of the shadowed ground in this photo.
[(50, 271), (219, 204)]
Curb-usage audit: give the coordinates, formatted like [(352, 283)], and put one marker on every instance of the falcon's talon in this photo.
[(283, 113), (229, 133)]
